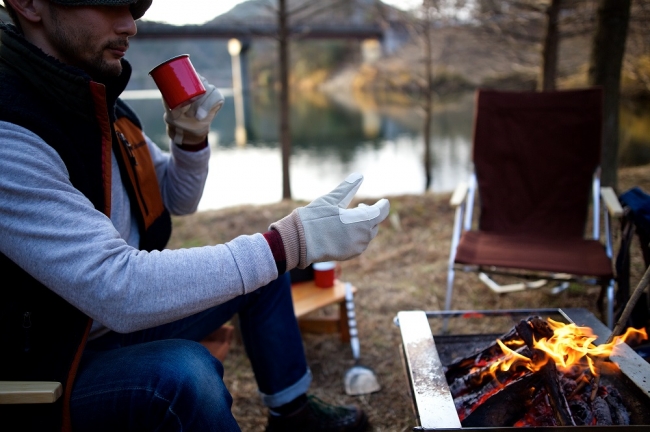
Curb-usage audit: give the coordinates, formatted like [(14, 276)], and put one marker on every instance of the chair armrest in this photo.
[(611, 202), (29, 392), (459, 195)]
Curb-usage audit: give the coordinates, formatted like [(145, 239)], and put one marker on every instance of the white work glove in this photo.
[(190, 124), (326, 230)]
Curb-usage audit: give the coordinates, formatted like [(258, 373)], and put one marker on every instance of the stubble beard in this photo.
[(76, 49)]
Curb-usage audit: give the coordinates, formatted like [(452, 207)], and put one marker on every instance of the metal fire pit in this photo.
[(424, 360)]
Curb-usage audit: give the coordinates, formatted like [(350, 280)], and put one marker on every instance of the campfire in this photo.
[(541, 373)]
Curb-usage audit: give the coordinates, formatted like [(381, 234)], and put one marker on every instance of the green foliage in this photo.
[(312, 55), (306, 58)]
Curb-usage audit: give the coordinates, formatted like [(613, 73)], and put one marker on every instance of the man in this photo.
[(90, 297)]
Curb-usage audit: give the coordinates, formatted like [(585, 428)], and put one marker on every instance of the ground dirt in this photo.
[(404, 268)]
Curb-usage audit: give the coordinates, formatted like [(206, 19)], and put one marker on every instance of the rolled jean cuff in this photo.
[(288, 394)]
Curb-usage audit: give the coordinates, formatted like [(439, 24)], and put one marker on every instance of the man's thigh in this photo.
[(161, 385)]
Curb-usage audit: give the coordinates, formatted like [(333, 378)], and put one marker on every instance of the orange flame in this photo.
[(569, 346)]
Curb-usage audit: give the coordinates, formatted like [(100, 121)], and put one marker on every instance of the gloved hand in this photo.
[(327, 230), (190, 124)]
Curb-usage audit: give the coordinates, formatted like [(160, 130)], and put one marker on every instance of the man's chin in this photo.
[(107, 70)]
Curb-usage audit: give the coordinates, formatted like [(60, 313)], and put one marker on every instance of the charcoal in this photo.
[(539, 411), (601, 412), (568, 385), (581, 412), (620, 415)]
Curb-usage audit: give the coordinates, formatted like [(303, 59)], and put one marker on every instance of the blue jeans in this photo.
[(162, 379)]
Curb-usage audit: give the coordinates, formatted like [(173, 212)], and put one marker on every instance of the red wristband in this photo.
[(274, 240)]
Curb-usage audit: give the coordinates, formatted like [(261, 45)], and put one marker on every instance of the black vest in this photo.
[(41, 335)]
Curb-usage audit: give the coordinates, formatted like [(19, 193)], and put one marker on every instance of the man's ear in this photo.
[(29, 10)]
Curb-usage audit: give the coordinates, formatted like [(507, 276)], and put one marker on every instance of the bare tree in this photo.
[(427, 12), (304, 11), (542, 23), (422, 23), (607, 52), (551, 46), (285, 128)]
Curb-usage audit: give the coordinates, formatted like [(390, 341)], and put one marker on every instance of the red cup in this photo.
[(177, 80), (324, 274)]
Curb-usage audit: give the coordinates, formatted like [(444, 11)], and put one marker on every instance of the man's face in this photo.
[(92, 38)]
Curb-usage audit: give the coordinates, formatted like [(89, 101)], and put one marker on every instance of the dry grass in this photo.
[(405, 268)]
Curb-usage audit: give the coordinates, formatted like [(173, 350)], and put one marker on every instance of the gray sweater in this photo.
[(52, 231)]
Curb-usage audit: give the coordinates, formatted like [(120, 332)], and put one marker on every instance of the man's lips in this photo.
[(118, 50)]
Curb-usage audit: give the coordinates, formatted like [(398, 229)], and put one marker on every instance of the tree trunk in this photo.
[(607, 52), (428, 97), (285, 130), (551, 46)]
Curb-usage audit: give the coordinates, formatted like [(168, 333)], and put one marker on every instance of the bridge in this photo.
[(151, 30)]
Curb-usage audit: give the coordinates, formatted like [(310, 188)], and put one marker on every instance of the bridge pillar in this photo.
[(240, 85), (371, 50)]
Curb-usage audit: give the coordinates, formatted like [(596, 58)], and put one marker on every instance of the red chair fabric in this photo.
[(535, 154)]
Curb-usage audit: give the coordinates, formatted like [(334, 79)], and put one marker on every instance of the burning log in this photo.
[(481, 379), (543, 375), (483, 358), (527, 330), (485, 378), (503, 406)]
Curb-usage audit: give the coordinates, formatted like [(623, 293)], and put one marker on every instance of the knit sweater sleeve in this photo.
[(54, 233), (181, 175)]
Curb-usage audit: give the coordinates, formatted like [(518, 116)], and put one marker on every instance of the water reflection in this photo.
[(330, 139), (333, 137)]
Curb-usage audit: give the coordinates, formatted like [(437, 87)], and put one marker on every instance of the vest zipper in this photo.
[(27, 324), (134, 163)]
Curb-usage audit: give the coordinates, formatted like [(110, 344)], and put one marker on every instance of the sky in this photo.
[(199, 11), (188, 11)]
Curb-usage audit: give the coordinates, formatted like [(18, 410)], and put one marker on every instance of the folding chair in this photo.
[(536, 162)]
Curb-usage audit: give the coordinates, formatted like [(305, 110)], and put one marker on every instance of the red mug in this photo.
[(325, 273), (177, 80)]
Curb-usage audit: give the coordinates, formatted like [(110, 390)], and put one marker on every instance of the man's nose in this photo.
[(125, 24)]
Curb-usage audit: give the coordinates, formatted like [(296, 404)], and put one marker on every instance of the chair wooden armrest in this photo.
[(611, 202), (29, 392), (459, 195)]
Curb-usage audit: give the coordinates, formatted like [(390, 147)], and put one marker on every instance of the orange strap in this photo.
[(140, 169)]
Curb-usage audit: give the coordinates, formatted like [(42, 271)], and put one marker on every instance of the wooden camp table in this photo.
[(308, 298)]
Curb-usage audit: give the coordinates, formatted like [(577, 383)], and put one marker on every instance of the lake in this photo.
[(333, 136)]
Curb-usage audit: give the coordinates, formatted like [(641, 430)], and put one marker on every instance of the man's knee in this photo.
[(188, 366), (192, 380)]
